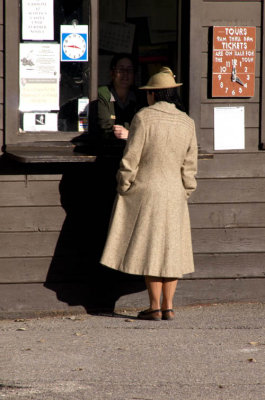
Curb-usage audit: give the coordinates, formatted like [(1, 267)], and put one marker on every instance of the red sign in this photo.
[(233, 73)]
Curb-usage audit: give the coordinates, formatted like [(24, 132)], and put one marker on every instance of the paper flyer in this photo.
[(39, 76)]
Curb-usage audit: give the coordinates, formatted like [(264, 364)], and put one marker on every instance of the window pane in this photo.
[(54, 65)]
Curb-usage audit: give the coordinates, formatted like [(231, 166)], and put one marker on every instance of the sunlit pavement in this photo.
[(208, 352)]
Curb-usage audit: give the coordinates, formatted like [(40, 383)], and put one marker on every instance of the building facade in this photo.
[(52, 212)]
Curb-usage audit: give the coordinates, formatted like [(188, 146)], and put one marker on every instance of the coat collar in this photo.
[(166, 107)]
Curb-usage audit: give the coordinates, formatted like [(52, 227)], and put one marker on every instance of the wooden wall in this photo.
[(48, 223), (227, 209), (31, 219)]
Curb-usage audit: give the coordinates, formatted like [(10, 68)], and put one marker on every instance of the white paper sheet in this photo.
[(37, 20), (39, 74), (37, 122), (229, 128)]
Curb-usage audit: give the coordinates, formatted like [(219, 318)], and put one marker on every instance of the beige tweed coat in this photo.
[(149, 232)]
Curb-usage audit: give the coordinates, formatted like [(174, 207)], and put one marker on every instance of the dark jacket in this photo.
[(111, 111)]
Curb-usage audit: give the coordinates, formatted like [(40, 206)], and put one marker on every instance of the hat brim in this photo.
[(149, 87)]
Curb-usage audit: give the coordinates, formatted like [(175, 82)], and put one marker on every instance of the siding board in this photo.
[(1, 38), (31, 219), (34, 298), (37, 244), (227, 266), (1, 12), (227, 215), (25, 178), (231, 13), (249, 190), (239, 240), (43, 244), (1, 90), (232, 165), (29, 194), (44, 177), (207, 266), (1, 64), (24, 269), (1, 117), (30, 270)]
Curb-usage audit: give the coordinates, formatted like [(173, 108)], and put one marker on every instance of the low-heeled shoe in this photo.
[(168, 314), (151, 315)]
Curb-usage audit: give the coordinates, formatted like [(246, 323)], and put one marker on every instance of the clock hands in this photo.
[(73, 46), (239, 81), (234, 77)]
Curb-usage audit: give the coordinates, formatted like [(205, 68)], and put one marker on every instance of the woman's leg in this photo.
[(154, 287), (168, 288)]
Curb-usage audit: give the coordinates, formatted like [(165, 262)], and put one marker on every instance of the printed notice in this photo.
[(37, 122), (39, 75), (229, 128), (37, 20)]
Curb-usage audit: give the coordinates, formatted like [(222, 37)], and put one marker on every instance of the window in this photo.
[(51, 69)]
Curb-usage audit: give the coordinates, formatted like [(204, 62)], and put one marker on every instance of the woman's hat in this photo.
[(164, 79)]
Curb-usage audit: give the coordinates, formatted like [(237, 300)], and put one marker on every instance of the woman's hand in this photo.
[(120, 132)]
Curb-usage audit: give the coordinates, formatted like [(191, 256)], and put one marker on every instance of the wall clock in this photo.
[(74, 45), (233, 68)]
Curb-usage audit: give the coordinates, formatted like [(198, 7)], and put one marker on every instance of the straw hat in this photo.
[(164, 79)]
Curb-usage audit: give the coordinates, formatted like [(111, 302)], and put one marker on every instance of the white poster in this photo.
[(229, 128), (37, 20), (37, 122), (39, 76)]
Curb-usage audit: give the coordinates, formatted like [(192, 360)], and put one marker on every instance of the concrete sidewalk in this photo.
[(207, 352)]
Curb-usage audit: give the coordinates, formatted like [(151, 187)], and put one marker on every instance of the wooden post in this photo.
[(94, 51), (195, 64), (262, 83)]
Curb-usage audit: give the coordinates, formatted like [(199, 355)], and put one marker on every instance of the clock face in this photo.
[(233, 61), (74, 47)]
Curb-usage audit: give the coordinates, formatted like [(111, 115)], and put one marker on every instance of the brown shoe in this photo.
[(151, 315), (168, 314)]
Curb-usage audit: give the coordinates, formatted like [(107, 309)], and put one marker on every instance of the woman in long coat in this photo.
[(149, 231)]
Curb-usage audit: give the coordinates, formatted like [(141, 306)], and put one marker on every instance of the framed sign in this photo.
[(233, 69)]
